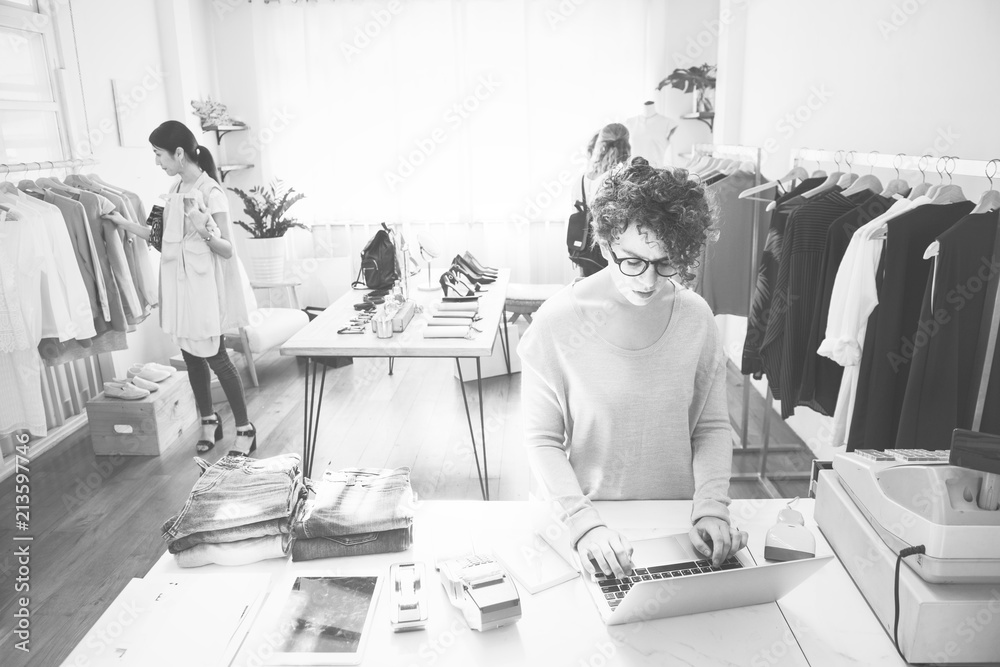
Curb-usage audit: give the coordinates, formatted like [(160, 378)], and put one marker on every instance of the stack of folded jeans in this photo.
[(356, 512), (240, 511)]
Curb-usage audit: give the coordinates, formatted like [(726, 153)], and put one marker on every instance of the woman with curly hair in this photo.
[(624, 378)]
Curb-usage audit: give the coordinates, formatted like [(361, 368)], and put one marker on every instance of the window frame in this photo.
[(43, 22)]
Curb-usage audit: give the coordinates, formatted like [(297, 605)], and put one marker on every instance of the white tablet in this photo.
[(321, 618)]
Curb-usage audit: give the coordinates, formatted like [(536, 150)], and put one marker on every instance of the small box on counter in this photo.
[(403, 316)]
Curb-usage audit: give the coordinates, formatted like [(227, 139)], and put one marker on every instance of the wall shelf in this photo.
[(223, 130), (226, 168), (707, 117)]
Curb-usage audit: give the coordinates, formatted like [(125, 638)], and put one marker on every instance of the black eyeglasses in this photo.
[(633, 266)]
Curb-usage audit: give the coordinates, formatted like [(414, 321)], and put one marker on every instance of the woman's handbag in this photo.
[(583, 251)]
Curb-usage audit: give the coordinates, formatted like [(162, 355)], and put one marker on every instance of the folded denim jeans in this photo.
[(282, 526), (236, 491), (243, 552), (364, 544), (356, 501)]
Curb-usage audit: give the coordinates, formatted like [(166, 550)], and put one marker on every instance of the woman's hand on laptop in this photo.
[(713, 538), (605, 551)]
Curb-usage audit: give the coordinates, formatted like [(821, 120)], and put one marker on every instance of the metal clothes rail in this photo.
[(753, 155), (18, 167)]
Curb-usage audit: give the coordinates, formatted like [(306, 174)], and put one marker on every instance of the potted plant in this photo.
[(213, 114), (699, 80), (268, 211)]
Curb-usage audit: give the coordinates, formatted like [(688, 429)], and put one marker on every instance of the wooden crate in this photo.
[(144, 427)]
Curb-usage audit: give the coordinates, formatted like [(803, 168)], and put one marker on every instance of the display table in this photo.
[(825, 621), (320, 339)]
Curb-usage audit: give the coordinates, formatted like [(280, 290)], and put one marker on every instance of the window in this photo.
[(30, 111)]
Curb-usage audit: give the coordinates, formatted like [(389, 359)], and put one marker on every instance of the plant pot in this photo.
[(267, 259)]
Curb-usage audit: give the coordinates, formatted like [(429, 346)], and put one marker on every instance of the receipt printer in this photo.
[(482, 589)]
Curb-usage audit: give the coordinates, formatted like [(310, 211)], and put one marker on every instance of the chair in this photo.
[(523, 299), (268, 328)]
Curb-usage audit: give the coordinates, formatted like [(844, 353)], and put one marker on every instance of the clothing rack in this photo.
[(17, 167), (65, 388), (945, 166), (752, 154)]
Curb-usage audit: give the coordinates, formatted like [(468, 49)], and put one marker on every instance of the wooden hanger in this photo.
[(896, 186)]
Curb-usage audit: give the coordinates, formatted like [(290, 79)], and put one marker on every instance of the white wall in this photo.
[(131, 56), (897, 76), (887, 75)]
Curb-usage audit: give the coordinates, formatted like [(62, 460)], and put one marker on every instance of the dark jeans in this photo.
[(229, 378), (365, 544)]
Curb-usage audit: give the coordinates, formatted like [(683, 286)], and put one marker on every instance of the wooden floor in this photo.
[(95, 520)]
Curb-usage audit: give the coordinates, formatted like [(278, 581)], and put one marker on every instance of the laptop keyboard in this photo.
[(615, 589)]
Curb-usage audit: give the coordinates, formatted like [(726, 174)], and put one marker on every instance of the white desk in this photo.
[(320, 339), (825, 621)]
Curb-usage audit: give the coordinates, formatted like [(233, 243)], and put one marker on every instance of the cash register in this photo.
[(938, 513)]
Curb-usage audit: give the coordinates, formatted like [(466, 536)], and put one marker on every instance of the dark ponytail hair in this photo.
[(172, 134)]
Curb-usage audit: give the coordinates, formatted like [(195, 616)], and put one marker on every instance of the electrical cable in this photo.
[(909, 551)]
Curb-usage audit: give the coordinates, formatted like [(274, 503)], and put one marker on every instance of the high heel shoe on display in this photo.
[(448, 282), (471, 273), (469, 276), (203, 445), (476, 264), (246, 432), (464, 281)]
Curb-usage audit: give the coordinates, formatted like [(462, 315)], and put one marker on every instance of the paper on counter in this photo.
[(447, 332), (470, 306)]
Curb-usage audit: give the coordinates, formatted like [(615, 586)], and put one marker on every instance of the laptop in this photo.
[(671, 578)]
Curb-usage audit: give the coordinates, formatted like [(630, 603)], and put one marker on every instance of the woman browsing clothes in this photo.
[(624, 377), (201, 293)]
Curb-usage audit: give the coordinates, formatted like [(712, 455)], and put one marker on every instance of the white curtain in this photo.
[(448, 111)]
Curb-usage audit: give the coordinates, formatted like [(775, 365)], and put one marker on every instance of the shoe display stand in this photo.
[(144, 427)]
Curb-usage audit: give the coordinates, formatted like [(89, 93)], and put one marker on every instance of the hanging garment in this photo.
[(129, 251), (726, 263), (83, 246), (903, 285), (201, 295), (21, 259), (147, 275), (649, 137), (944, 378), (767, 277), (66, 312), (852, 301), (783, 352), (821, 376), (95, 206)]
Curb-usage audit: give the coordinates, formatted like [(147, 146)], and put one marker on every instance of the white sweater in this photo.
[(605, 423)]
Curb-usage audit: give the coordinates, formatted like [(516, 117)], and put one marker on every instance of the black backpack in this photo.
[(378, 262), (583, 251)]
